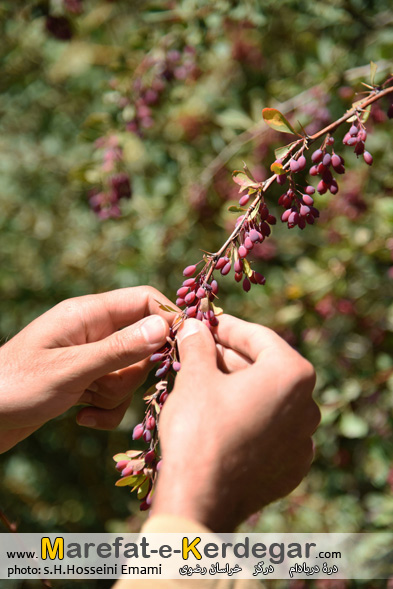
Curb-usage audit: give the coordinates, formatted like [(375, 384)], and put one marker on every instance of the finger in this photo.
[(92, 317), (102, 418), (110, 390), (196, 348), (230, 361), (249, 339), (119, 350)]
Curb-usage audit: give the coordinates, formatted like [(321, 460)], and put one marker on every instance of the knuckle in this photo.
[(306, 375)]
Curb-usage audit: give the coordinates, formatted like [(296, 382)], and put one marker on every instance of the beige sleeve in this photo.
[(169, 523)]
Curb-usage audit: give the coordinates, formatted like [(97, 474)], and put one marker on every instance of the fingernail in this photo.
[(93, 387), (189, 327), (154, 329), (87, 421)]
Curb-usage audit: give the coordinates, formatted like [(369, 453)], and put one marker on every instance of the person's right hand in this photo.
[(236, 430)]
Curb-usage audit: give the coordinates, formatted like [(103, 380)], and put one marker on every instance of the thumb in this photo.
[(197, 347), (122, 348)]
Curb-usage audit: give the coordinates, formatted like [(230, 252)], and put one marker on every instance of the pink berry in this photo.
[(221, 262), (137, 432), (248, 243), (244, 200), (150, 422), (368, 158), (189, 271), (226, 269), (242, 251), (180, 302), (214, 286), (200, 293), (254, 235), (301, 162), (176, 366), (189, 282), (317, 156), (181, 293), (190, 298), (310, 190), (191, 311), (308, 200)]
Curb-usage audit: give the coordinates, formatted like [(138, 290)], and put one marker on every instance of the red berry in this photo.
[(244, 200), (301, 163), (242, 251), (254, 235), (189, 271), (226, 269), (190, 298), (221, 262), (214, 286), (248, 243), (368, 158), (137, 432), (310, 190), (246, 284), (200, 293), (308, 200), (180, 302), (150, 456), (238, 276), (317, 156), (150, 422), (181, 293), (189, 282), (191, 311), (238, 266)]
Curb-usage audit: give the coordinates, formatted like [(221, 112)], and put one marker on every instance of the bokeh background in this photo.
[(121, 123)]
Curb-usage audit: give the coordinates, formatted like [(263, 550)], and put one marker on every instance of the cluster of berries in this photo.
[(147, 90), (197, 293), (138, 470), (104, 201), (356, 137)]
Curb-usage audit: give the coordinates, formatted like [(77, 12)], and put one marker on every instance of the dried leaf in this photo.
[(247, 268)]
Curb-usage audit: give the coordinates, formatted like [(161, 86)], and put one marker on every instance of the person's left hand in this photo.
[(76, 353)]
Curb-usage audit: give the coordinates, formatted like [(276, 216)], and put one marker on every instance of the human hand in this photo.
[(235, 437), (76, 353)]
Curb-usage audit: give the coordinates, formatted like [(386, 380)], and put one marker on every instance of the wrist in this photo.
[(194, 493)]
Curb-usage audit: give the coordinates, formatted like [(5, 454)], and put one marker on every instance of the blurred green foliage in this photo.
[(328, 289)]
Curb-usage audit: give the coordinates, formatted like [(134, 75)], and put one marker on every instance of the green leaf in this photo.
[(373, 71), (276, 120), (281, 152), (353, 426), (235, 209), (366, 114), (118, 457), (143, 489), (277, 168), (131, 480), (243, 180)]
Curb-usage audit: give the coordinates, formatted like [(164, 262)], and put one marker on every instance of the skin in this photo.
[(87, 350), (242, 407), (241, 414)]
